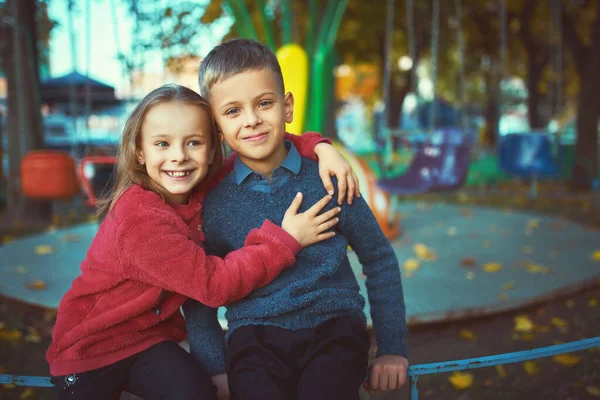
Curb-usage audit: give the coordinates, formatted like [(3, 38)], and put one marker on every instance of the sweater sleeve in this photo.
[(384, 283), (207, 341), (306, 143), (155, 250)]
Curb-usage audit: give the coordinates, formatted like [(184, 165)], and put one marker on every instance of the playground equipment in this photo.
[(379, 201), (414, 371), (528, 155), (97, 176), (49, 175), (433, 168)]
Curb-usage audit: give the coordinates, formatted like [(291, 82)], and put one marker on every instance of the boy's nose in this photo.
[(252, 120)]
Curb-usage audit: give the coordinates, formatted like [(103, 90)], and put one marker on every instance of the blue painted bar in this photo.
[(19, 380), (507, 358), (413, 371), (489, 361)]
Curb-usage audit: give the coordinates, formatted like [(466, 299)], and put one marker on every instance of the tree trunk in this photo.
[(492, 109), (533, 95), (585, 168), (24, 119)]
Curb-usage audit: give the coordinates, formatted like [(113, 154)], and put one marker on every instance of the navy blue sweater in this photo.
[(318, 287)]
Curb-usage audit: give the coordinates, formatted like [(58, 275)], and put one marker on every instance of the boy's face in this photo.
[(251, 112)]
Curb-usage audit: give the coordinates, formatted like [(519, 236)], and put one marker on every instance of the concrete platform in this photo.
[(473, 261)]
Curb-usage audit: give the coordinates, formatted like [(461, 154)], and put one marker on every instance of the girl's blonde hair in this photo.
[(129, 171)]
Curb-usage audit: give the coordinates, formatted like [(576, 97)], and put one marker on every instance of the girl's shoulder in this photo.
[(137, 200)]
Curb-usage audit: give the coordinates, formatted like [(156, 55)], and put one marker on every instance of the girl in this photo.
[(119, 325)]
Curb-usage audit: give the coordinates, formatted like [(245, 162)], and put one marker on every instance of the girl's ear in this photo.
[(140, 157)]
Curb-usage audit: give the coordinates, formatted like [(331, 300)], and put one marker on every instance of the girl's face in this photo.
[(176, 148)]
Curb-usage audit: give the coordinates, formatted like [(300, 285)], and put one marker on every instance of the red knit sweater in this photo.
[(144, 262)]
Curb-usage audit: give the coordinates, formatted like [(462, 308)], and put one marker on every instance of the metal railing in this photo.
[(414, 371)]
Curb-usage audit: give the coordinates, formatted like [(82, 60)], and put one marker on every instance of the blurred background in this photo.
[(473, 125)]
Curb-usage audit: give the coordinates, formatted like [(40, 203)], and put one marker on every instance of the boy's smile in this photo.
[(251, 112)]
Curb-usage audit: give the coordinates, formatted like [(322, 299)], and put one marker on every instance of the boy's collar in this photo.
[(292, 162)]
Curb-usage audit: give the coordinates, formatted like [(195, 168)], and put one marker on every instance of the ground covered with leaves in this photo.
[(25, 330)]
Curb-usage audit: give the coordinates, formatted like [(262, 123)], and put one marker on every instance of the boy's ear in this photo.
[(288, 107)]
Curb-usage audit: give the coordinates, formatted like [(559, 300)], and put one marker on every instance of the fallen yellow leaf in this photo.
[(559, 322), (537, 269), (533, 223), (501, 371), (9, 386), (523, 324), (467, 334), (44, 249), (411, 264), (509, 286), (36, 285), (492, 267), (570, 303), (531, 367), (424, 253), (27, 393), (595, 255), (592, 303), (33, 336), (593, 390), (568, 360), (470, 275), (527, 249), (7, 239), (468, 262), (542, 328), (528, 336), (20, 270), (461, 380), (12, 335)]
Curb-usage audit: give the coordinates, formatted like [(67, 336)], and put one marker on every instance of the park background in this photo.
[(503, 92)]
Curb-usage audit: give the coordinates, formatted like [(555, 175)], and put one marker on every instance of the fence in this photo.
[(414, 371)]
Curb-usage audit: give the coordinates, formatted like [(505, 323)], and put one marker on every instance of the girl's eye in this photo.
[(161, 144), (232, 111), (194, 143)]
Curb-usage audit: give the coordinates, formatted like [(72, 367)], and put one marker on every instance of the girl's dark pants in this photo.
[(163, 371), (328, 362)]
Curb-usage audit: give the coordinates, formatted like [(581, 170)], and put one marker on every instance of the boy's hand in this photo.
[(222, 384), (309, 227), (332, 163), (387, 373)]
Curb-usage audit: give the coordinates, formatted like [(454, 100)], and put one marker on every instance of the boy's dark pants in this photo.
[(328, 362), (164, 371)]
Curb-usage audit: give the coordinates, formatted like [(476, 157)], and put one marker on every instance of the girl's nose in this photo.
[(178, 154)]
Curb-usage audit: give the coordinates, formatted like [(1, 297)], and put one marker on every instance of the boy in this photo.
[(304, 335)]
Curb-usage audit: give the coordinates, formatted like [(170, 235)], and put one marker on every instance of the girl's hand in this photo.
[(309, 227), (332, 163), (221, 382)]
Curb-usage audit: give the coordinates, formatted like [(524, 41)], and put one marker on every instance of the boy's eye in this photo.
[(265, 103)]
